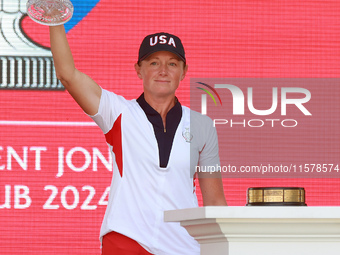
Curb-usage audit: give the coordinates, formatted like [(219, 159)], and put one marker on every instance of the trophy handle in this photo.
[(50, 12)]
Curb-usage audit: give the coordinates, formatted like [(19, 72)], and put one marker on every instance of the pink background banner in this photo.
[(54, 162)]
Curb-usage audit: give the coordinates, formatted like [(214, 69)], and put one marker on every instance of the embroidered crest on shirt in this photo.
[(187, 136)]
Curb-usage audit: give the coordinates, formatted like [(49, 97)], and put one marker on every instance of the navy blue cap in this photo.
[(161, 42)]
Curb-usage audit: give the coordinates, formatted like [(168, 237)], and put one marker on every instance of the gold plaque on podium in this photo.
[(279, 196)]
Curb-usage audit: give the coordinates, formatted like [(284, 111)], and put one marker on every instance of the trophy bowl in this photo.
[(276, 196), (50, 12)]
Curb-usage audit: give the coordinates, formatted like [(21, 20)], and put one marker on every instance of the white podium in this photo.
[(258, 230)]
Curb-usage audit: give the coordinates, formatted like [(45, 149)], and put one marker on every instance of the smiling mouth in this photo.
[(162, 81)]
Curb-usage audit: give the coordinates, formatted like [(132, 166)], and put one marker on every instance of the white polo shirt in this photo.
[(141, 190)]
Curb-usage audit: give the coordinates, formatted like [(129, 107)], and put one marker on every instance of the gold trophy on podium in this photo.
[(50, 12), (276, 196)]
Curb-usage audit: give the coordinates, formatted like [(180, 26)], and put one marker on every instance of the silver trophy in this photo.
[(50, 12)]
